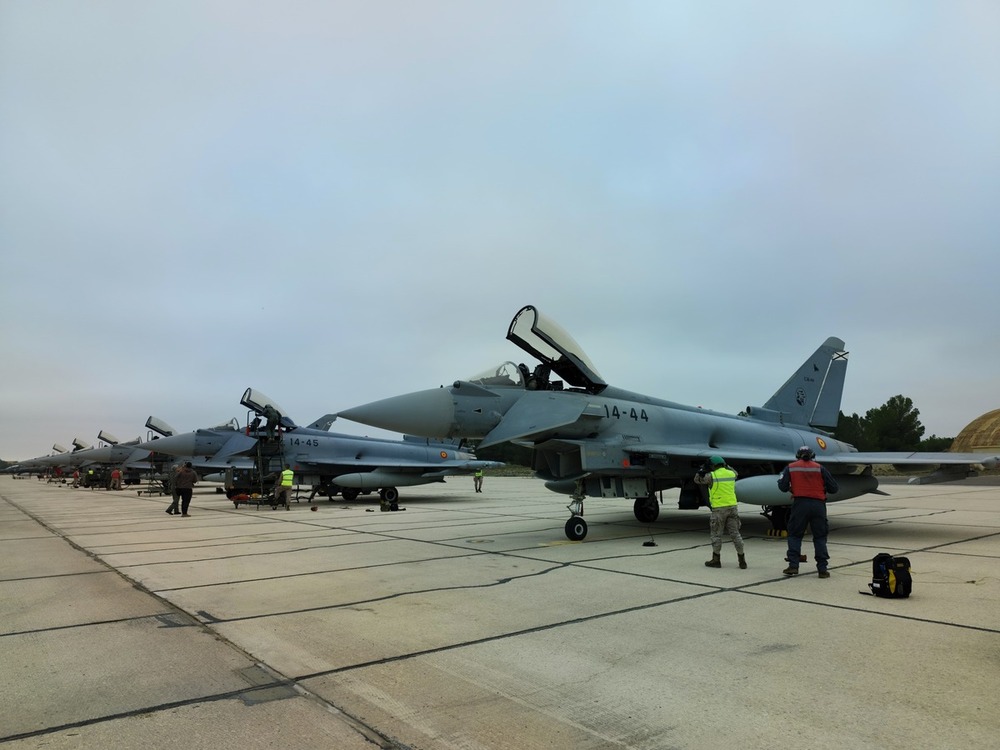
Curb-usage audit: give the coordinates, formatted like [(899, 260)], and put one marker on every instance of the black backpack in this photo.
[(890, 576)]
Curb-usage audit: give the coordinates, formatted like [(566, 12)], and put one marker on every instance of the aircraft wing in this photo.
[(203, 464), (537, 413), (136, 458), (902, 458), (700, 450), (238, 443), (450, 466), (371, 473), (887, 458), (947, 466)]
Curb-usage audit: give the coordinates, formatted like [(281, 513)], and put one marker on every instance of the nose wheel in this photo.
[(646, 509), (576, 529)]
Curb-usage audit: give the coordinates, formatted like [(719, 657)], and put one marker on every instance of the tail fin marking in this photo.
[(812, 395)]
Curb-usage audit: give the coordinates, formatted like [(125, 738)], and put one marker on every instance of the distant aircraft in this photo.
[(100, 460), (330, 463), (593, 439), (115, 452), (39, 463), (68, 458)]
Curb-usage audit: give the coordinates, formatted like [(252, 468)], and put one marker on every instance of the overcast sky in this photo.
[(337, 202)]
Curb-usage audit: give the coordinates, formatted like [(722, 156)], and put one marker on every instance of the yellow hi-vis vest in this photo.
[(722, 493), (287, 477)]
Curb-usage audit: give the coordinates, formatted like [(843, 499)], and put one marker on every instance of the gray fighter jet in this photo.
[(116, 453), (593, 439), (73, 457), (39, 463), (328, 462), (207, 448), (98, 461)]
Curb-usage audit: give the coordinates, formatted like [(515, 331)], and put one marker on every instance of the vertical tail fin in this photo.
[(812, 395), (324, 422)]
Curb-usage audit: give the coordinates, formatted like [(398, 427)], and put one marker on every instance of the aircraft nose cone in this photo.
[(424, 413), (175, 445)]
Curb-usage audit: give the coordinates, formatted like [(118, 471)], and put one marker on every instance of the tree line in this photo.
[(894, 426)]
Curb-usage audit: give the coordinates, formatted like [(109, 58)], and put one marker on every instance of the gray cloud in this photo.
[(337, 202)]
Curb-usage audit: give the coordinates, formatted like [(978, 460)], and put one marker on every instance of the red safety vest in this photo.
[(806, 479)]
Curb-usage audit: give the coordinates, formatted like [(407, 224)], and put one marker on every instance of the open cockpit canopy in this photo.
[(548, 342)]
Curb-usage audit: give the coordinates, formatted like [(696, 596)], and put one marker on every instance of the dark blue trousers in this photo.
[(807, 511)]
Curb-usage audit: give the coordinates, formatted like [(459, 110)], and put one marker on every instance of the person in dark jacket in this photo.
[(809, 484), (184, 483)]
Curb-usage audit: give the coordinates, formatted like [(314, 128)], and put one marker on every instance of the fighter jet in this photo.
[(68, 458), (206, 447), (35, 464), (112, 453), (330, 463), (115, 452), (592, 439)]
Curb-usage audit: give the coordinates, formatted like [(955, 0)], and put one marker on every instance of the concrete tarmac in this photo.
[(469, 621)]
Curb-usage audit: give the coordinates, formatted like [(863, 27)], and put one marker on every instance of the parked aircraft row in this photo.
[(248, 458), (589, 438)]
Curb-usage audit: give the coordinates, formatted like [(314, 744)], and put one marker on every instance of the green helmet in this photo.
[(716, 461)]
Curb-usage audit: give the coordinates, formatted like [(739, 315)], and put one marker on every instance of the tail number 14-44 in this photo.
[(613, 412)]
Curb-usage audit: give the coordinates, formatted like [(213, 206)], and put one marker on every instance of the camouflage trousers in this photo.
[(725, 519)]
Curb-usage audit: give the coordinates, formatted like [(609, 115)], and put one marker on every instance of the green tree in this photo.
[(894, 426), (935, 444), (852, 430)]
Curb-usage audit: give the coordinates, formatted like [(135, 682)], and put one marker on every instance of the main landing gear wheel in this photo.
[(389, 494), (576, 529), (778, 516), (349, 494), (646, 509)]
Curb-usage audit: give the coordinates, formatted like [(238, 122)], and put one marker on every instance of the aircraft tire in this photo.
[(576, 529), (349, 494), (389, 494), (646, 509)]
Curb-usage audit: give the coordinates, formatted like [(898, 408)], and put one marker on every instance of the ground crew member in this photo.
[(283, 487), (809, 484), (721, 482), (477, 480), (185, 481), (175, 507), (76, 477), (116, 479)]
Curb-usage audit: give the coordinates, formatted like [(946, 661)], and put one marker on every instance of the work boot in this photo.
[(790, 571), (715, 562), (743, 561), (824, 574)]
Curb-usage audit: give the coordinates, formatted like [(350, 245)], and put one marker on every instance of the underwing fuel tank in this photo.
[(373, 480), (763, 490)]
